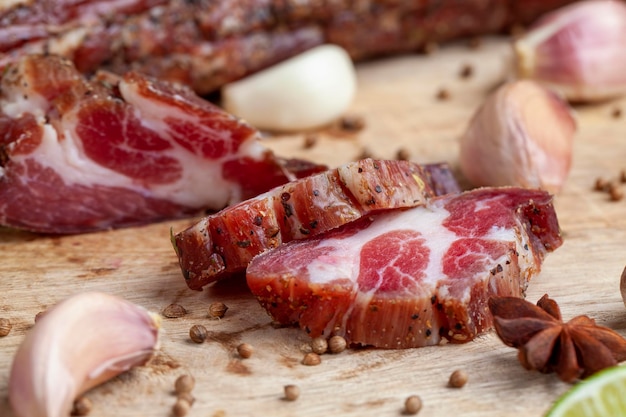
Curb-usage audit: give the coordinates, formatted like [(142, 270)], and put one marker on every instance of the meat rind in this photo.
[(410, 277), (222, 244)]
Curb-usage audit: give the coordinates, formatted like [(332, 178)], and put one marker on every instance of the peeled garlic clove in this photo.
[(522, 135), (622, 285), (578, 51), (307, 91), (78, 344)]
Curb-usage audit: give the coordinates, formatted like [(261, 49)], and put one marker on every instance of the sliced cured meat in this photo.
[(222, 244), (220, 41), (411, 277), (78, 155)]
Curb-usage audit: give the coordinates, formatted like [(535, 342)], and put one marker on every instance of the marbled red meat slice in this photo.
[(78, 155), (222, 244), (411, 277)]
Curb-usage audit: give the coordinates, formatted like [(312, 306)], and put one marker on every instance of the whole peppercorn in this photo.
[(311, 359), (337, 344), (82, 406), (5, 327), (174, 311), (217, 310), (184, 384), (413, 404), (181, 408), (319, 345), (198, 333), (292, 392), (245, 350), (458, 379)]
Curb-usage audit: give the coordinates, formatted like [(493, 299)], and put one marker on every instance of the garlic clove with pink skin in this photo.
[(577, 50), (522, 135), (79, 343)]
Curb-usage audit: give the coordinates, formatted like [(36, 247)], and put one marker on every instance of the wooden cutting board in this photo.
[(397, 101)]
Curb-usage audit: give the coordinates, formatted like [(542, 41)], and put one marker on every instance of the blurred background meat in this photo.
[(207, 43)]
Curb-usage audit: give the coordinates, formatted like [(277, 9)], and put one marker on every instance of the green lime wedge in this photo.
[(600, 395)]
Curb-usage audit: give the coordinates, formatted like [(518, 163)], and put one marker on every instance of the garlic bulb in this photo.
[(578, 51), (78, 344), (307, 91), (522, 135)]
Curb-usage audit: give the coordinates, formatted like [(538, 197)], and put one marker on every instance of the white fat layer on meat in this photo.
[(19, 100), (202, 183)]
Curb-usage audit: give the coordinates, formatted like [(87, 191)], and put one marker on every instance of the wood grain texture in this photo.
[(397, 99)]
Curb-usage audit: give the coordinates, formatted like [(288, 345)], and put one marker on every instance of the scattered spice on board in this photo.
[(245, 350), (181, 408), (174, 311), (309, 141), (184, 383), (458, 379), (217, 310), (403, 154), (337, 344), (292, 392), (352, 123), (575, 349), (319, 345), (311, 359), (198, 333), (616, 113), (443, 94), (466, 71), (5, 327), (412, 405), (82, 406)]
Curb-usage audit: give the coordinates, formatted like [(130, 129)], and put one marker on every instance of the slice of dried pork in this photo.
[(79, 155), (413, 277), (224, 243)]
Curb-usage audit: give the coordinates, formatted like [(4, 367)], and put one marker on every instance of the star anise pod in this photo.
[(573, 350)]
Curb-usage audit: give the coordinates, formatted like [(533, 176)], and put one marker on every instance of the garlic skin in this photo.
[(577, 50), (79, 343), (622, 286), (304, 92), (522, 135)]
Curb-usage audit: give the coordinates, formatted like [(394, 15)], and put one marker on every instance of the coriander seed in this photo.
[(82, 406), (198, 333), (403, 154), (181, 408), (311, 359), (615, 193), (337, 344), (352, 123), (466, 71), (184, 384), (601, 184), (174, 311), (319, 345), (217, 310), (458, 379), (412, 405), (443, 94), (309, 141), (292, 392), (5, 327), (245, 350)]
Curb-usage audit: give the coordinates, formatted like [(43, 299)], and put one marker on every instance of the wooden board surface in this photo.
[(396, 99)]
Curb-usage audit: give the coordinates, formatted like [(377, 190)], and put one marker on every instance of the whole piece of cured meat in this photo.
[(411, 277), (207, 43), (223, 244), (79, 155)]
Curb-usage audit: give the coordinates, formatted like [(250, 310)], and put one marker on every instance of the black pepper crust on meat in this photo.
[(207, 43)]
